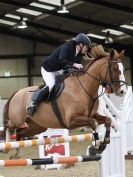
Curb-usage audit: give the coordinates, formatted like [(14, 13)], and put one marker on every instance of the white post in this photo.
[(113, 158)]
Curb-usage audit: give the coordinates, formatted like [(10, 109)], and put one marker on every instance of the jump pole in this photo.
[(45, 161), (35, 142)]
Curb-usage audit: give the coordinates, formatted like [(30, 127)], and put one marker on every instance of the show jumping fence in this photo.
[(45, 161), (35, 142), (120, 111), (113, 158)]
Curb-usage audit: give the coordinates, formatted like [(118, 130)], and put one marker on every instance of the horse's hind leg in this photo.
[(30, 130)]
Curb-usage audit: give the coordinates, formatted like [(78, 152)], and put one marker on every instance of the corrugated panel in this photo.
[(14, 45), (37, 80), (9, 85), (127, 74), (43, 48), (15, 67), (12, 67), (2, 104), (126, 62), (37, 65)]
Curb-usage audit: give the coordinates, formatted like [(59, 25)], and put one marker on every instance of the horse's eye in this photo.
[(115, 69)]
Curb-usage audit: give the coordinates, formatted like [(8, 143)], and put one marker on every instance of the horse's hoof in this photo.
[(102, 147), (107, 140)]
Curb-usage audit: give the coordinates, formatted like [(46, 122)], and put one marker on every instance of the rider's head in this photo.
[(84, 42)]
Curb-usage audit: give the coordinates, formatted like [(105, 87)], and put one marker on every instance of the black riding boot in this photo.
[(36, 98)]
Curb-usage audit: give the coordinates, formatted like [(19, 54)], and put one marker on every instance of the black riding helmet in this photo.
[(84, 39)]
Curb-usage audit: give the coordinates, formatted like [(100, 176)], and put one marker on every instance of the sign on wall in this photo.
[(52, 150)]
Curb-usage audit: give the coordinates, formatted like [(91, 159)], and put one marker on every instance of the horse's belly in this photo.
[(45, 117)]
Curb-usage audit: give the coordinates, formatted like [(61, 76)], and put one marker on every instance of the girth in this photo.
[(57, 112), (58, 88)]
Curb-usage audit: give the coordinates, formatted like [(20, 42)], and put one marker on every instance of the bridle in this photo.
[(103, 82), (112, 81)]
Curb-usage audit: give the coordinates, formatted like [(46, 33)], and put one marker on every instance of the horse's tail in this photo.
[(5, 113)]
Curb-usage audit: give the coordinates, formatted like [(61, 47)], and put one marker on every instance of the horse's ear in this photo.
[(122, 54), (112, 53)]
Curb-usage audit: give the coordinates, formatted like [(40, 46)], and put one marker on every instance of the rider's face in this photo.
[(85, 49)]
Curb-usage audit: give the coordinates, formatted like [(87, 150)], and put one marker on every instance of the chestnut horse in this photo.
[(78, 103)]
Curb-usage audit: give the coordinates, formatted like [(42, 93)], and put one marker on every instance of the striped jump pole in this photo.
[(45, 161), (35, 142)]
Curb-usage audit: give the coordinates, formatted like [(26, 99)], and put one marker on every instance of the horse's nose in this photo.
[(121, 92)]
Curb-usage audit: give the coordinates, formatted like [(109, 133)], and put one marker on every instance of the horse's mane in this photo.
[(97, 52)]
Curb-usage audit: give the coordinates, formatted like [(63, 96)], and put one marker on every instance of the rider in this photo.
[(67, 55)]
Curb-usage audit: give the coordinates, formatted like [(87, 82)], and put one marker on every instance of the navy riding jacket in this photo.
[(62, 57)]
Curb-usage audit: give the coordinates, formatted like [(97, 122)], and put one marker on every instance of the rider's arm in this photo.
[(64, 58)]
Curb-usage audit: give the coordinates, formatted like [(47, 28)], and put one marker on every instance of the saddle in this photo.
[(59, 85), (56, 91)]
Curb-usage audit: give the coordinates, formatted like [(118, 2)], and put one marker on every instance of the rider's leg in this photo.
[(49, 78)]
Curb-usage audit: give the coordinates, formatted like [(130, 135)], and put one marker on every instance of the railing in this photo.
[(120, 109)]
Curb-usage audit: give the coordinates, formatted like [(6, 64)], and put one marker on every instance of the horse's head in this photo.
[(111, 69), (115, 73)]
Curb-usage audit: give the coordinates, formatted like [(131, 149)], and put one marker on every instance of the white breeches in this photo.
[(49, 77)]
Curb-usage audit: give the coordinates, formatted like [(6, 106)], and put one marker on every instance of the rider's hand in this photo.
[(78, 66)]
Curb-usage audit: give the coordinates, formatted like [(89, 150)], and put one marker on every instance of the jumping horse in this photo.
[(78, 102)]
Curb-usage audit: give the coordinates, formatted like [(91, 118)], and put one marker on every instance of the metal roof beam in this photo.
[(83, 20), (111, 5), (77, 18), (46, 27), (17, 3)]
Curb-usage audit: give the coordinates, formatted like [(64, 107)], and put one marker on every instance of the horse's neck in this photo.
[(93, 76)]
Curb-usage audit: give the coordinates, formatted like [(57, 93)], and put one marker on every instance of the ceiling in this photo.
[(88, 16)]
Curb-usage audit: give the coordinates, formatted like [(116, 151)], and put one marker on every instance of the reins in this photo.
[(104, 83), (93, 99)]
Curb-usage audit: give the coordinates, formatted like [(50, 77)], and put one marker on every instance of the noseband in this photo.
[(103, 82), (112, 81)]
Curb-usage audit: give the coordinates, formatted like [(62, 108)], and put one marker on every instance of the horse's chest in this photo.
[(80, 107), (86, 107)]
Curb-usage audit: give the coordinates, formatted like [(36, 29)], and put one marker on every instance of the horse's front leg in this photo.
[(81, 121), (107, 123)]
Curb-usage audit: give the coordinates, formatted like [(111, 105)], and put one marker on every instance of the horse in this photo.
[(78, 102)]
